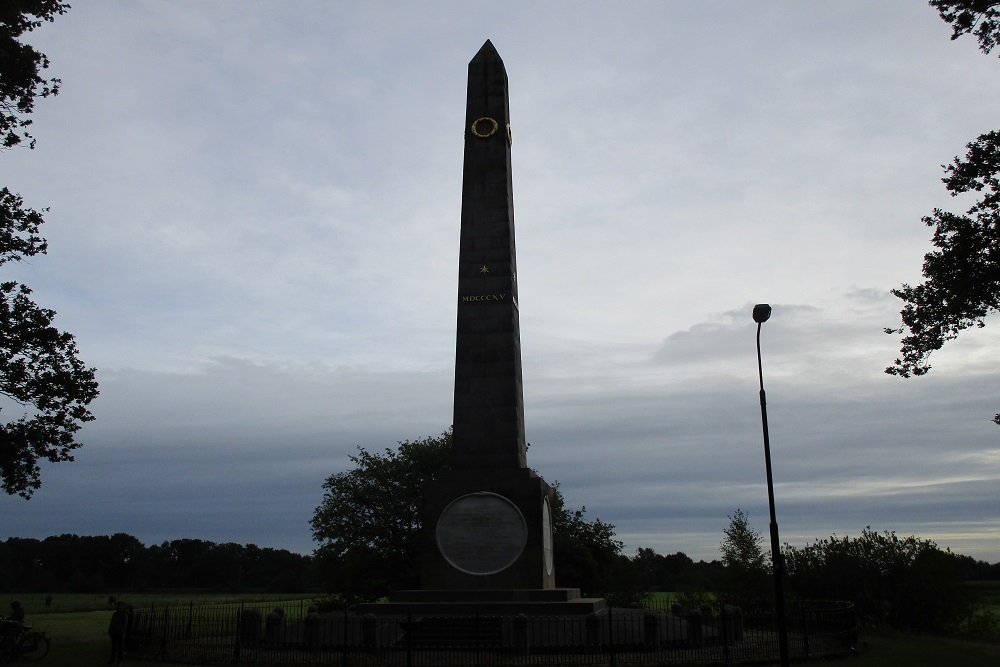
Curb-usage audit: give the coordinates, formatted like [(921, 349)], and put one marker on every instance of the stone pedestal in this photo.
[(488, 530)]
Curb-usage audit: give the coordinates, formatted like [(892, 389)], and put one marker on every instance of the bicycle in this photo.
[(20, 642)]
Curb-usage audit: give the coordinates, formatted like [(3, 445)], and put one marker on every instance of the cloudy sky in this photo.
[(254, 235)]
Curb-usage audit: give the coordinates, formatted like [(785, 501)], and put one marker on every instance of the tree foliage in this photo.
[(962, 275), (904, 583), (21, 66), (369, 521), (977, 17), (120, 562), (587, 552), (745, 580), (369, 525), (677, 573), (39, 365), (742, 547)]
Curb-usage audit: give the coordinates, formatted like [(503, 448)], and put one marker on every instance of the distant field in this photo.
[(989, 595), (77, 623)]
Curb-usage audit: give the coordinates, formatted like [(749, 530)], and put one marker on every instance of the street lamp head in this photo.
[(761, 312)]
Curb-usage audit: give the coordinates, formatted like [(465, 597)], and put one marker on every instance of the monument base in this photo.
[(510, 602), (487, 530)]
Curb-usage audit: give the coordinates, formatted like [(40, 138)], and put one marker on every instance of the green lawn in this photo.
[(77, 624)]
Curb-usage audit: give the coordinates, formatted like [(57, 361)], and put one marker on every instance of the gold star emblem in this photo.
[(485, 269)]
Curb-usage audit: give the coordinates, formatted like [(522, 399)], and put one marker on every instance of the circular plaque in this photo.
[(547, 535), (481, 533)]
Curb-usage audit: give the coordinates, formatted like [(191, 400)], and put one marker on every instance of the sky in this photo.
[(254, 226)]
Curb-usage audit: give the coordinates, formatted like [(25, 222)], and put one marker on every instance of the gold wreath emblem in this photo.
[(494, 126)]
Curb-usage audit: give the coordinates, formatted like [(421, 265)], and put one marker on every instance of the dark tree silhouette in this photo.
[(39, 367), (369, 524), (962, 276), (978, 17)]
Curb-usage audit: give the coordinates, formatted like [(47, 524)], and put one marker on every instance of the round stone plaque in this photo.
[(481, 533), (547, 535)]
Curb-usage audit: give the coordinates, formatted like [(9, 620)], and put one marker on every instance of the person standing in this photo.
[(116, 630)]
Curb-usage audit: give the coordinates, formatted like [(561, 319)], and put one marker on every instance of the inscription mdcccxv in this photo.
[(486, 298)]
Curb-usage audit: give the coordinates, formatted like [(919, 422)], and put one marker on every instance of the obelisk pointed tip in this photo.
[(488, 51)]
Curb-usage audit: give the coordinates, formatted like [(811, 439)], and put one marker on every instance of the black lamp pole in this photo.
[(761, 312)]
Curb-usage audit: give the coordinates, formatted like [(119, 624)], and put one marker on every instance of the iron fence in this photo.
[(243, 634)]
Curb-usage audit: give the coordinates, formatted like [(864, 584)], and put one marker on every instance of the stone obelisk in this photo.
[(488, 523)]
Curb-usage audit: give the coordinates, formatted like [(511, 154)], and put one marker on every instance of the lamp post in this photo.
[(761, 313)]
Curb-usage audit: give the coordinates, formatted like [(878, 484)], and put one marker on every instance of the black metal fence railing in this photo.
[(248, 635)]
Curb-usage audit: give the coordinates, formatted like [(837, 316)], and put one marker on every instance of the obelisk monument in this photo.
[(488, 523)]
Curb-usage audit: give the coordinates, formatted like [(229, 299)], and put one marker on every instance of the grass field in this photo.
[(77, 624)]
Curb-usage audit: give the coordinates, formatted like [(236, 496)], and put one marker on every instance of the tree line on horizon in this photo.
[(120, 562)]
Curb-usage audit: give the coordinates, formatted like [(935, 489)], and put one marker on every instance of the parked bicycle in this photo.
[(20, 642)]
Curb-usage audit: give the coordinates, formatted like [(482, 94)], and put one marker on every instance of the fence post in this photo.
[(273, 626), (611, 637), (311, 624), (651, 630), (806, 651), (236, 635), (521, 639), (695, 636), (592, 627), (368, 631), (163, 642), (725, 623), (249, 626), (409, 638), (343, 644)]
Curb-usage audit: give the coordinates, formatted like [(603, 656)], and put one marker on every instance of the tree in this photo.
[(962, 277), (39, 366), (369, 524), (21, 65), (121, 562), (742, 547), (906, 583), (746, 564), (587, 553), (657, 572), (979, 17)]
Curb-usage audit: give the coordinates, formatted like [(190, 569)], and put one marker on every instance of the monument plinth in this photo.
[(488, 521)]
